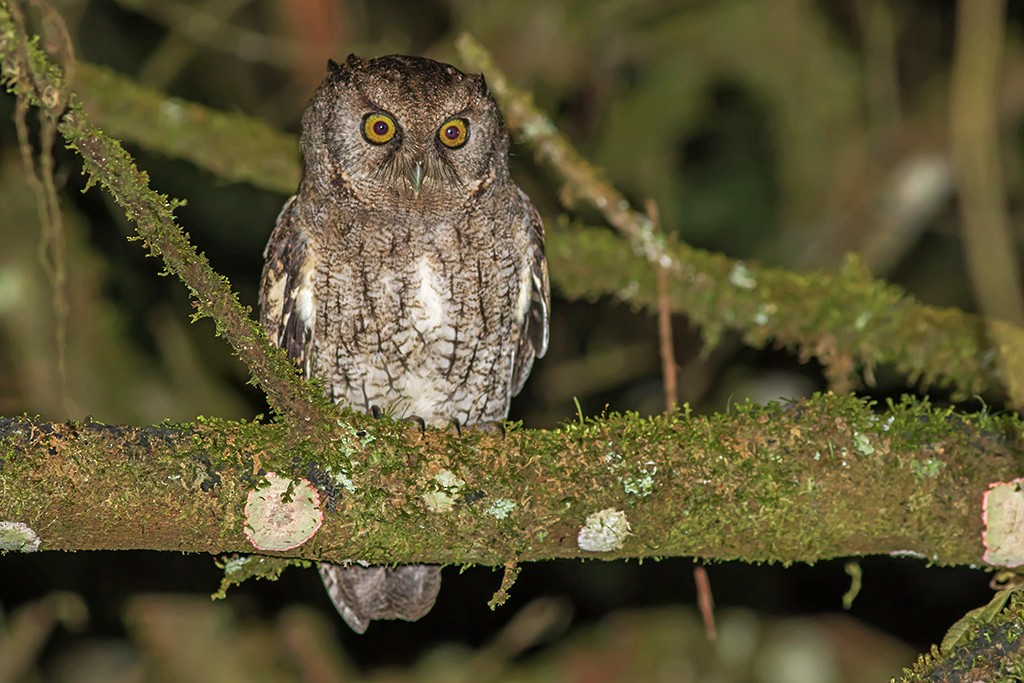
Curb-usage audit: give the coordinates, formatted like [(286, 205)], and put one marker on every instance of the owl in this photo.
[(407, 272)]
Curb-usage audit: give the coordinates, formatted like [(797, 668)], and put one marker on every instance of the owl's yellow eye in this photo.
[(378, 128), (454, 133)]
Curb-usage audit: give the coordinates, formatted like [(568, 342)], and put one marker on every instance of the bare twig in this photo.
[(991, 253), (705, 602), (975, 138), (666, 346), (52, 252)]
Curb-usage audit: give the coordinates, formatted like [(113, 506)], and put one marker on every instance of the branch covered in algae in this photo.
[(986, 645), (825, 477), (33, 78), (846, 319)]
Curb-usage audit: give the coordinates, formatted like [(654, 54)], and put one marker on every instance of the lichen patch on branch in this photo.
[(19, 537), (603, 531)]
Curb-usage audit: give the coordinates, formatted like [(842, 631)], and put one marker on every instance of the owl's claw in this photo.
[(375, 411), (492, 427), (418, 421), (489, 427)]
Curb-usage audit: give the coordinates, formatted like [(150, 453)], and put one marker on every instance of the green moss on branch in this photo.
[(810, 480)]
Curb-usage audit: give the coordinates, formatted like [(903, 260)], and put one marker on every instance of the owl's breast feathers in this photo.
[(442, 320)]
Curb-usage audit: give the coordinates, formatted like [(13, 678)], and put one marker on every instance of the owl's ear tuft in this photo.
[(482, 86), (343, 72)]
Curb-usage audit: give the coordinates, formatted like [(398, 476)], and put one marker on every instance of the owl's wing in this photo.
[(287, 300), (533, 319)]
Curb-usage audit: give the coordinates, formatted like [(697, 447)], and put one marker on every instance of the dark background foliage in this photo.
[(789, 133)]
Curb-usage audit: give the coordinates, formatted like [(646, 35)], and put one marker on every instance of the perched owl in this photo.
[(407, 272)]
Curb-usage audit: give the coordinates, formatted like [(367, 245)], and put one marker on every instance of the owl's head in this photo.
[(404, 130)]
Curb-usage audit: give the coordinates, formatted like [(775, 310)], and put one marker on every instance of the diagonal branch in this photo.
[(35, 79), (845, 319)]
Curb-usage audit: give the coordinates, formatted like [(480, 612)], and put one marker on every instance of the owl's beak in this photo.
[(416, 175)]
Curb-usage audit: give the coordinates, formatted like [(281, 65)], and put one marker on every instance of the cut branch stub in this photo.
[(282, 515)]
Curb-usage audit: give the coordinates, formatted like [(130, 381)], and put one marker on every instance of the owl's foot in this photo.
[(486, 427), (420, 423)]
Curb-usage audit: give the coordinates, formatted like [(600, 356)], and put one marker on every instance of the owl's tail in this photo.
[(363, 594)]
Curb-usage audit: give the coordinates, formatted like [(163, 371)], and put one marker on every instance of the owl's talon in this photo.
[(375, 411), (456, 425)]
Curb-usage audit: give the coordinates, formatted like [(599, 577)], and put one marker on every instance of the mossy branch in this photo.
[(33, 78), (846, 319), (825, 477), (986, 645)]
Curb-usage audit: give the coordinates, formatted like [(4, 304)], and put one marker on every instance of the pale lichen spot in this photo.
[(341, 478), (862, 320), (447, 480), (740, 276), (641, 485), (282, 515), (438, 501), (863, 444), (171, 110), (603, 531), (764, 313), (446, 488), (501, 508), (18, 537)]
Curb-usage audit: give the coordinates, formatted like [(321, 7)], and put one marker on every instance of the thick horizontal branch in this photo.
[(845, 319), (805, 481)]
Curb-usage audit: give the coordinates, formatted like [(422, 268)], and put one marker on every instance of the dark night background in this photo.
[(786, 132)]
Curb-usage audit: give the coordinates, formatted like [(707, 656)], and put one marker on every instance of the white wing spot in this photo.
[(526, 279), (305, 297)]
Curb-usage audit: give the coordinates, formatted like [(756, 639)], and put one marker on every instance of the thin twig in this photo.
[(666, 346), (990, 248), (988, 240), (52, 248), (705, 601)]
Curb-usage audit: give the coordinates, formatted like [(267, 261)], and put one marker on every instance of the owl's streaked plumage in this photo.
[(408, 271)]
